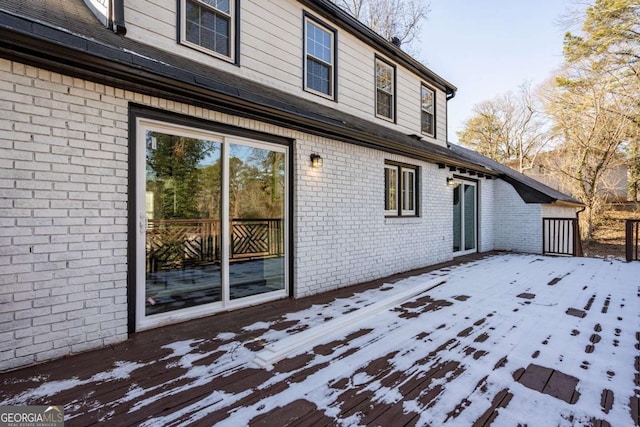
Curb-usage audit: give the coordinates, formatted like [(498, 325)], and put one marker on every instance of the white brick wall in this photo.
[(63, 215), (487, 215), (342, 236), (521, 230)]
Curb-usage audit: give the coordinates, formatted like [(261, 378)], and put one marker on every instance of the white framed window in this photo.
[(408, 207), (428, 111), (385, 89), (319, 58), (210, 26), (390, 190), (400, 187)]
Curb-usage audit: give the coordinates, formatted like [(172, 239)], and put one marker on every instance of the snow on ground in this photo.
[(465, 351)]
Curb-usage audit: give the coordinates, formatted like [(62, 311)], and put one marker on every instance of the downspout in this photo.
[(450, 93), (117, 12), (578, 238)]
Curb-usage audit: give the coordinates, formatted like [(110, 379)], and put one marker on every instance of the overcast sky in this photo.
[(486, 48)]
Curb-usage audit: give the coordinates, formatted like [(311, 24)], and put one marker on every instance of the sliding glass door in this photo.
[(211, 213), (464, 218)]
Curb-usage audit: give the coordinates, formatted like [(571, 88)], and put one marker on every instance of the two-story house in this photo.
[(166, 160)]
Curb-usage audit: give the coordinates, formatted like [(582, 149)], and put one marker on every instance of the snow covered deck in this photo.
[(506, 340)]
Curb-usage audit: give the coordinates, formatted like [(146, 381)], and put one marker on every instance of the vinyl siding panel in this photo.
[(408, 90), (271, 43), (152, 22), (271, 52), (441, 117), (409, 107), (356, 76)]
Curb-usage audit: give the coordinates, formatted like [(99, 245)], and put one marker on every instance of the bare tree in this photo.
[(609, 41), (592, 122), (392, 19), (596, 103), (509, 128)]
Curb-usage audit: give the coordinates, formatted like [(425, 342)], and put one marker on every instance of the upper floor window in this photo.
[(428, 114), (400, 190), (209, 25), (385, 89), (319, 58)]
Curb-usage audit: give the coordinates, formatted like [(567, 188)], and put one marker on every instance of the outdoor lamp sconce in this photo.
[(452, 183), (316, 160)]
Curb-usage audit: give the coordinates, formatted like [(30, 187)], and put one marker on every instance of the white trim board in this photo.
[(292, 344)]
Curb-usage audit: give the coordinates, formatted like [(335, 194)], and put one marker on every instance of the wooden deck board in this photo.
[(207, 386)]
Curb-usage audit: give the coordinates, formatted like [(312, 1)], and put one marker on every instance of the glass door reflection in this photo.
[(469, 217), (182, 209), (464, 218), (256, 213)]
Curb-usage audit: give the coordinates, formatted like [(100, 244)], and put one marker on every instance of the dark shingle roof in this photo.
[(530, 190)]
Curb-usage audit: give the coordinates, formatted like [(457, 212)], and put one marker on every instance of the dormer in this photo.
[(110, 13)]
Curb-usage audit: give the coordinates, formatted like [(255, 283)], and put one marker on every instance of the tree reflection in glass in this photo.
[(256, 212), (183, 200)]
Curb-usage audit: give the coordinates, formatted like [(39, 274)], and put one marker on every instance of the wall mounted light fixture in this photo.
[(316, 160), (452, 182)]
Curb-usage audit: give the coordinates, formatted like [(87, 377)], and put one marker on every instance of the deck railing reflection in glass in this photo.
[(180, 243)]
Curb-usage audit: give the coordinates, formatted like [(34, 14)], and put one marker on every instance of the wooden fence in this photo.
[(632, 238), (561, 236)]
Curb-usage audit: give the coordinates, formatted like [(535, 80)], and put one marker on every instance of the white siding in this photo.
[(356, 81), (555, 211), (441, 118), (152, 22), (271, 52)]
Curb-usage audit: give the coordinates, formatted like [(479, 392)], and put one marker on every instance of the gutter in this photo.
[(567, 204), (451, 93)]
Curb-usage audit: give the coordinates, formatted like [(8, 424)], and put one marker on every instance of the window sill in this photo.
[(396, 220), (320, 94), (208, 52), (386, 119)]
